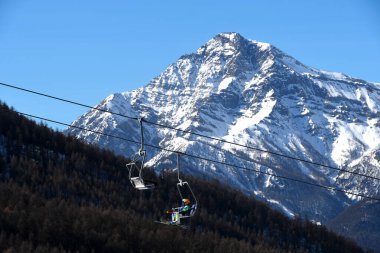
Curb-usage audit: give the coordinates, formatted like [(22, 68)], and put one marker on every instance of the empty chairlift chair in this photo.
[(136, 167)]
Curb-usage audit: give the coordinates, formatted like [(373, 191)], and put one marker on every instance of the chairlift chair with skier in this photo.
[(189, 203)]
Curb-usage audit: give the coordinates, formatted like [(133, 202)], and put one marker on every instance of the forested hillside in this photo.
[(360, 221), (58, 194)]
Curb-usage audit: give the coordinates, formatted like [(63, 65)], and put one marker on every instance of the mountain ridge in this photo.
[(252, 93)]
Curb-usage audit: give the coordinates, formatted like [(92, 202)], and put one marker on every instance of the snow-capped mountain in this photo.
[(253, 94)]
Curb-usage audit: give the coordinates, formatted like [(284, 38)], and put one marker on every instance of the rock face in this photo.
[(254, 94)]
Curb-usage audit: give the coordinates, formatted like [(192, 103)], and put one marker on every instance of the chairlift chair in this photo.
[(176, 212), (136, 167), (135, 173), (193, 207)]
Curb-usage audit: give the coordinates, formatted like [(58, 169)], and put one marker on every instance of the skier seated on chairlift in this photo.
[(185, 208), (182, 211)]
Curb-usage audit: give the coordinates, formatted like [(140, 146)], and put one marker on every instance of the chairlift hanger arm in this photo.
[(141, 150), (182, 183), (178, 166)]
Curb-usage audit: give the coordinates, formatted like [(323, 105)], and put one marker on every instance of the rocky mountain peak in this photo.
[(232, 45), (224, 41)]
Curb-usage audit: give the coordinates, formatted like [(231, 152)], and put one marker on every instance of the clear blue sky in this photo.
[(85, 50)]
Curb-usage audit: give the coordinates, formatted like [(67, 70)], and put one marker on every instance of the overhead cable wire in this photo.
[(192, 133), (66, 100), (207, 159)]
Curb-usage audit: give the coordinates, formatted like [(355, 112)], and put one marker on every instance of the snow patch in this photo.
[(297, 66), (286, 210), (225, 83), (263, 46), (249, 118), (349, 134), (338, 89), (335, 75), (267, 64), (363, 93)]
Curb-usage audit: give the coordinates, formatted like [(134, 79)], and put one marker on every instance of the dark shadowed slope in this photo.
[(360, 222)]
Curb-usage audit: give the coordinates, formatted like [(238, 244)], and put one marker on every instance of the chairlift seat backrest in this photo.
[(135, 168)]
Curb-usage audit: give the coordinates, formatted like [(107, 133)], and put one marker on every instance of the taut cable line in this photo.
[(206, 159), (190, 132)]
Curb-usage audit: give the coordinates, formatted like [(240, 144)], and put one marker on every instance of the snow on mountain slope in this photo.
[(368, 164), (251, 93)]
